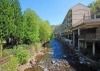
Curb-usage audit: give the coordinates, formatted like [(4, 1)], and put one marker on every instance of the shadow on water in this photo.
[(65, 55), (59, 52)]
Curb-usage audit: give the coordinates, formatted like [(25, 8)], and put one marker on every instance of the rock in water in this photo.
[(53, 62), (46, 69), (64, 56), (81, 62)]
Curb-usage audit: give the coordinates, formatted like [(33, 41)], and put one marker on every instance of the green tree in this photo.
[(31, 26), (97, 4), (92, 7), (10, 19), (95, 7), (28, 26), (45, 31), (6, 18), (17, 17)]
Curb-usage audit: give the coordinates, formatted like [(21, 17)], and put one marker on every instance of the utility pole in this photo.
[(1, 44), (1, 48)]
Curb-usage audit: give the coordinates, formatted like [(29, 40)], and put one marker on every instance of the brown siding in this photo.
[(78, 12), (98, 33)]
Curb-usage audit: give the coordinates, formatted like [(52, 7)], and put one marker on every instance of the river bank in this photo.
[(21, 56), (57, 58), (32, 61), (52, 60), (48, 63)]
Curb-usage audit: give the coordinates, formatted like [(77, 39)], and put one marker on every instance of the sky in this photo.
[(52, 10)]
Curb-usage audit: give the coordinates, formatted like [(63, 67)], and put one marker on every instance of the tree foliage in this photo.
[(17, 17), (45, 31), (31, 27), (6, 18), (95, 7), (27, 27)]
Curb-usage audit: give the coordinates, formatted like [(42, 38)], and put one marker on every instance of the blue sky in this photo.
[(52, 10)]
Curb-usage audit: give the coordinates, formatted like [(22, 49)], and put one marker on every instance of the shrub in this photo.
[(22, 56)]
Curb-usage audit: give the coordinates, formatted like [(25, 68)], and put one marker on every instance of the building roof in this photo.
[(79, 4)]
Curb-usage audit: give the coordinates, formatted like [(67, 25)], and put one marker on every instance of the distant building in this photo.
[(53, 27)]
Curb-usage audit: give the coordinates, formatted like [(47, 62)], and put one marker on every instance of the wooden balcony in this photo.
[(90, 37)]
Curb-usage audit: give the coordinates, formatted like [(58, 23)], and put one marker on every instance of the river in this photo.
[(56, 58)]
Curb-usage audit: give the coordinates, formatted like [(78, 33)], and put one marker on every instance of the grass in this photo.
[(6, 56), (11, 65), (7, 52)]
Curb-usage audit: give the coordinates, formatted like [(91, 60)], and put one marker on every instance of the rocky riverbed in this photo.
[(55, 58), (47, 63)]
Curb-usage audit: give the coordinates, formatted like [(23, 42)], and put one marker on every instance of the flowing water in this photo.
[(56, 59)]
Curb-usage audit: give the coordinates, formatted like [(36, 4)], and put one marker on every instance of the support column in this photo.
[(73, 39), (85, 45), (78, 31), (78, 45), (60, 34), (93, 48), (68, 36), (1, 48), (94, 16), (78, 40)]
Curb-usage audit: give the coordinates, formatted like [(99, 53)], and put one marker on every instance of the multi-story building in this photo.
[(74, 15), (83, 30)]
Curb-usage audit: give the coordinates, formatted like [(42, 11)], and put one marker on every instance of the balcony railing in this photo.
[(92, 36), (90, 19), (87, 19)]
